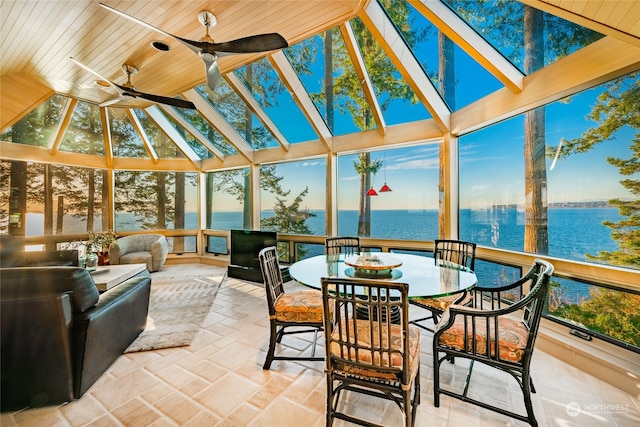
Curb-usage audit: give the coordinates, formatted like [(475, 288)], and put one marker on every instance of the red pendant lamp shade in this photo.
[(372, 192), (385, 188)]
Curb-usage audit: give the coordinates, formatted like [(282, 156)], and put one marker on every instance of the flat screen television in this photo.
[(246, 244)]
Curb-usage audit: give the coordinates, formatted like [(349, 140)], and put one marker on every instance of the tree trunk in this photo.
[(18, 199), (536, 238), (209, 198), (446, 86), (48, 202), (161, 178), (364, 204), (91, 194), (328, 78), (178, 242), (248, 136), (104, 200)]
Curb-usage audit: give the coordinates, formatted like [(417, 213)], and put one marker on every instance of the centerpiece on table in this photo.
[(99, 242)]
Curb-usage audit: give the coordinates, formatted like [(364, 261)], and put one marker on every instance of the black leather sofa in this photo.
[(59, 334)]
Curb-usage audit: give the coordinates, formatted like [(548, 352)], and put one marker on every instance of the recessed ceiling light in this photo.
[(161, 46), (102, 83)]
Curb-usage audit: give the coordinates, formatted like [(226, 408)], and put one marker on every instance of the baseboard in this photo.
[(612, 364)]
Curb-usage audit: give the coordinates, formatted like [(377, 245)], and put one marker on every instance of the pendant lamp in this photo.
[(372, 192), (385, 188)]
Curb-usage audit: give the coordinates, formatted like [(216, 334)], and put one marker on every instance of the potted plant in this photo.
[(99, 242)]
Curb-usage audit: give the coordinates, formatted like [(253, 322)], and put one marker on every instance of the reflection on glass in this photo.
[(36, 128), (162, 145), (84, 133), (267, 89), (238, 114), (125, 140)]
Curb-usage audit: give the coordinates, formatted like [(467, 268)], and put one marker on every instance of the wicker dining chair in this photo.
[(452, 251), (366, 351), (497, 332), (342, 245), (289, 312)]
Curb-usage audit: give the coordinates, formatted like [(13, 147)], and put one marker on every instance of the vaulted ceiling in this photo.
[(38, 37)]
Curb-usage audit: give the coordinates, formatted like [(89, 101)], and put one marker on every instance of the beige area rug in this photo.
[(178, 306)]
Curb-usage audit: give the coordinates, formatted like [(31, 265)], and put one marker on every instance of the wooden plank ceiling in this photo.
[(39, 36)]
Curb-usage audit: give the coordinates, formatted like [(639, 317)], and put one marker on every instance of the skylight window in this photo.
[(398, 102), (37, 127), (268, 90), (326, 70), (85, 133), (238, 115), (502, 23)]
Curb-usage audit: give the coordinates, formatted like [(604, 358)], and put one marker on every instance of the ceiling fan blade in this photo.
[(186, 42), (251, 44), (110, 102), (213, 74), (174, 102), (115, 86), (88, 69)]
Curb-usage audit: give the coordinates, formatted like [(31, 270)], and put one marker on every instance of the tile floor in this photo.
[(219, 381)]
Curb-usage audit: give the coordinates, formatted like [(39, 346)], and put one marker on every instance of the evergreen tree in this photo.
[(618, 106)]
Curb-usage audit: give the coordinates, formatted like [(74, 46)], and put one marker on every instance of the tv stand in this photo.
[(244, 273), (245, 246)]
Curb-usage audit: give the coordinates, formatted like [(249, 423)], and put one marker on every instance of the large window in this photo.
[(156, 200), (561, 181), (561, 203), (293, 197), (227, 207), (40, 199), (409, 211)]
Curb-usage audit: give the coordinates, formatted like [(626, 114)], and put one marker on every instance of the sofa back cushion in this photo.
[(23, 282)]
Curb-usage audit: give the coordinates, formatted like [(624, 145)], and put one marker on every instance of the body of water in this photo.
[(573, 232)]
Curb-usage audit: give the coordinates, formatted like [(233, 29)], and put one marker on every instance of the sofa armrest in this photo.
[(159, 252), (102, 333), (116, 250), (36, 351)]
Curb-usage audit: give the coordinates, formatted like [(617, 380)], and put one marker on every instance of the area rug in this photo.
[(177, 308)]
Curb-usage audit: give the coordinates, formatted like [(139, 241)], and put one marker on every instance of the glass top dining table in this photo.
[(425, 277)]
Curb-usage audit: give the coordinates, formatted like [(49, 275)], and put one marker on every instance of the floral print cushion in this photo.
[(368, 357), (299, 306), (440, 303), (512, 340)]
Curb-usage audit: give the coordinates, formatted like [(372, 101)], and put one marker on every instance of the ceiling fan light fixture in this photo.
[(161, 46)]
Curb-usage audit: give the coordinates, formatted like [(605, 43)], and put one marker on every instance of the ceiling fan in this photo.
[(128, 91), (210, 51)]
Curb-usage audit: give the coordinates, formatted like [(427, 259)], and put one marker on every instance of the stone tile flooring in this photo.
[(219, 381)]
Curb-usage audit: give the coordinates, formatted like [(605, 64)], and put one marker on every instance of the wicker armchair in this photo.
[(453, 251), (501, 337), (342, 245), (366, 351), (288, 310)]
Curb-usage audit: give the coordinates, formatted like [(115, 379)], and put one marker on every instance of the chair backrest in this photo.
[(456, 251), (359, 335), (497, 297), (271, 275), (342, 245), (533, 303)]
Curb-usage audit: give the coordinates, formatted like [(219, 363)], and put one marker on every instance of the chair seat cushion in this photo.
[(299, 306), (375, 358), (512, 340), (440, 303)]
